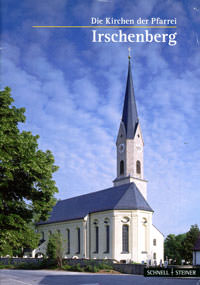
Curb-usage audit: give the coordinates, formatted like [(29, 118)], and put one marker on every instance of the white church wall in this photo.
[(62, 227), (140, 240), (138, 152), (101, 219), (144, 235), (141, 185), (130, 171), (121, 155), (134, 153), (157, 245), (196, 257), (139, 245)]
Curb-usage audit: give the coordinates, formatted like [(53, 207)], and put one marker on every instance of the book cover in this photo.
[(67, 62)]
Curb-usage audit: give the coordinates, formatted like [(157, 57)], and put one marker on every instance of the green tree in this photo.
[(173, 247), (180, 247), (14, 243), (51, 247), (26, 185), (189, 242), (55, 249)]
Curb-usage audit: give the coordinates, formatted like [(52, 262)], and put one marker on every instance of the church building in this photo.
[(114, 223)]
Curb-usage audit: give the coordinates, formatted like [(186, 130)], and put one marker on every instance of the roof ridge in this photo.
[(135, 196), (122, 196)]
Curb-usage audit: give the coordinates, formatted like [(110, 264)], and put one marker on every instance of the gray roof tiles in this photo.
[(124, 197)]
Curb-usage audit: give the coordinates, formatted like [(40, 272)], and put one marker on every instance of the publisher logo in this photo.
[(171, 272)]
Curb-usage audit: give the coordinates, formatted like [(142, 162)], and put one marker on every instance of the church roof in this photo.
[(130, 116), (197, 244), (123, 197)]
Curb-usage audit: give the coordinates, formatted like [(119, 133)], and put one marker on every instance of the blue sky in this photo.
[(73, 93)]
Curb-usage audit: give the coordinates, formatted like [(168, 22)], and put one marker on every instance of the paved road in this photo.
[(48, 277)]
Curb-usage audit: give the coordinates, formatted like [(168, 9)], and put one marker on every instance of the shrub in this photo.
[(48, 263), (105, 266), (4, 266), (67, 267), (88, 268), (28, 266), (79, 268), (95, 269)]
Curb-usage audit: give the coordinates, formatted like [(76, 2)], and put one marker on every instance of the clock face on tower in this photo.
[(121, 147)]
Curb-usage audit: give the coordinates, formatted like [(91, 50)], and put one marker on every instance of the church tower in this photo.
[(130, 142)]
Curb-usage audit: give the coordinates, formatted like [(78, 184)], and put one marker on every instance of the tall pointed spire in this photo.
[(130, 142), (130, 116)]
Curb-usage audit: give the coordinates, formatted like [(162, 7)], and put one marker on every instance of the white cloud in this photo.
[(73, 95), (85, 94)]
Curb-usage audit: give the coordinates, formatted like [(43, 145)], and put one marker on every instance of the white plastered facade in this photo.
[(142, 236)]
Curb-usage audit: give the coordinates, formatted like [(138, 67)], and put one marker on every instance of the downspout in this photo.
[(85, 236), (89, 216), (131, 239), (113, 237)]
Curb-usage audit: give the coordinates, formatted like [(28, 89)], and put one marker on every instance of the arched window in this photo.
[(138, 167), (107, 239), (121, 167), (154, 241), (68, 241), (154, 255), (107, 235), (106, 221), (97, 239), (78, 240), (125, 239), (96, 233)]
